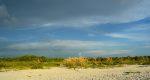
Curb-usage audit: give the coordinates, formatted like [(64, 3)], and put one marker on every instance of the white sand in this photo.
[(134, 72)]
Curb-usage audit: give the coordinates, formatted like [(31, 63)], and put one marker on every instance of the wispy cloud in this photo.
[(130, 36), (107, 52), (137, 32), (64, 44), (96, 52), (120, 51)]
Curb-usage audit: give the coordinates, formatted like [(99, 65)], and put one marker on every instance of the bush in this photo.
[(4, 65), (80, 62), (36, 66)]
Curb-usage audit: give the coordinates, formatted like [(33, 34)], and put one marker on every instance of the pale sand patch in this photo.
[(134, 72)]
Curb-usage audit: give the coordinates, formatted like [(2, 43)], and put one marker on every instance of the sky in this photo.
[(66, 28)]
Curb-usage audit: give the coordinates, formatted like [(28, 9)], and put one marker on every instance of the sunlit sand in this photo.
[(134, 72)]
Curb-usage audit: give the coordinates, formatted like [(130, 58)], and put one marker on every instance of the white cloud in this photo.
[(116, 35), (100, 52), (96, 52), (138, 32), (64, 44), (120, 51), (130, 36)]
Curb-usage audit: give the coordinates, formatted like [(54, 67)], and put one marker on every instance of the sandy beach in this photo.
[(134, 72)]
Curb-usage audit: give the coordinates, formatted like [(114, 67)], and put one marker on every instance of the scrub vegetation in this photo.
[(29, 62), (41, 62)]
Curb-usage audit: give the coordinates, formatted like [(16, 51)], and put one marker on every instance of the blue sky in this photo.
[(66, 28)]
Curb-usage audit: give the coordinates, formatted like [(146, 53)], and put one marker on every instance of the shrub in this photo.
[(4, 65), (80, 62), (36, 66)]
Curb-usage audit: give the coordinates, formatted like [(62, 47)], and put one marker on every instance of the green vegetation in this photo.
[(29, 62), (100, 62), (40, 62)]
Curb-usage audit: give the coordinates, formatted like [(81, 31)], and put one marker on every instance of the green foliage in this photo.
[(36, 66), (29, 62)]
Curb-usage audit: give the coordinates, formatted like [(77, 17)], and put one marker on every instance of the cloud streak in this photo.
[(138, 32), (64, 44), (130, 36)]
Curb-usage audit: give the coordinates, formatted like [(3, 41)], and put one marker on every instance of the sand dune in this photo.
[(134, 72)]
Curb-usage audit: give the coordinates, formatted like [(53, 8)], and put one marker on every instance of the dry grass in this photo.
[(75, 62)]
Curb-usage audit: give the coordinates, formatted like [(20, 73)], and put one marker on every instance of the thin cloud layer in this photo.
[(64, 44), (71, 47), (76, 12)]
